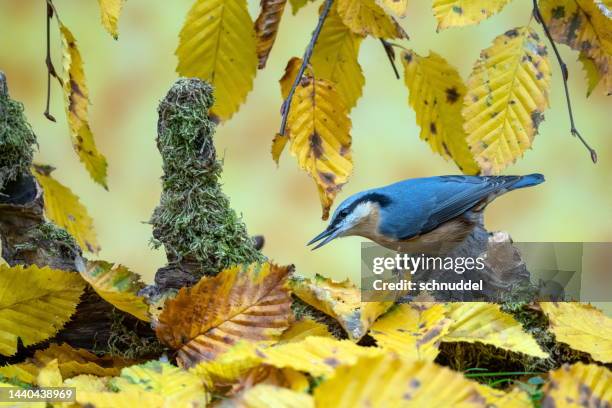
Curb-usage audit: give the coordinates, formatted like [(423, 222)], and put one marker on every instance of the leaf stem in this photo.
[(305, 60), (565, 74), (50, 68), (391, 55)]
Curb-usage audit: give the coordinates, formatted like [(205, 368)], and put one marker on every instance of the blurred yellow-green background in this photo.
[(128, 77)]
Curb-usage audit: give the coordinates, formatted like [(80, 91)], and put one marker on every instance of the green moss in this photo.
[(194, 220), (50, 236), (17, 141), (126, 343)]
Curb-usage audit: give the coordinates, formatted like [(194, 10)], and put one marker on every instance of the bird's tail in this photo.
[(528, 181)]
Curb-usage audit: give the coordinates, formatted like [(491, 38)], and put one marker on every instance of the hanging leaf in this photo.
[(365, 17), (118, 286), (578, 385), (34, 304), (304, 328), (266, 28), (436, 95), (266, 396), (296, 5), (486, 323), (583, 327), (340, 300), (583, 26), (318, 127), (315, 355), (398, 7), (459, 13), (76, 98), (592, 74), (110, 11), (217, 44), (176, 386), (251, 304), (334, 58), (389, 381), (506, 97), (411, 331), (63, 207)]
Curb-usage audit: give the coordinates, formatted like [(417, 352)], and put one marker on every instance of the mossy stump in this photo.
[(201, 233)]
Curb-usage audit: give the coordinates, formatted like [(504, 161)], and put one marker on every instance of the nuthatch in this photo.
[(426, 210)]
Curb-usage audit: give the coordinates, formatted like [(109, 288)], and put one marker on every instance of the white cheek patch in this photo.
[(363, 210)]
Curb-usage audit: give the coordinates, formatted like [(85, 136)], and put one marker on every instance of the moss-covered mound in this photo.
[(194, 220)]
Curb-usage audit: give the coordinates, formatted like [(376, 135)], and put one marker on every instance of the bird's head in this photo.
[(354, 216)]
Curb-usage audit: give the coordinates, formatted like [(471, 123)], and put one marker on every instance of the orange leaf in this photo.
[(241, 303)]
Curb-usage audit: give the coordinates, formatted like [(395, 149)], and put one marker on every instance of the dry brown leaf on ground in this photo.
[(240, 303)]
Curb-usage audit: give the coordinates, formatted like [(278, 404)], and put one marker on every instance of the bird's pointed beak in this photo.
[(327, 235)]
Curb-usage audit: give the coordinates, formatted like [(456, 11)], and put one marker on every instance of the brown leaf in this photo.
[(266, 28), (241, 303)]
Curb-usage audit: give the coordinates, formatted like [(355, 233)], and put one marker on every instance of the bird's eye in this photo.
[(343, 213)]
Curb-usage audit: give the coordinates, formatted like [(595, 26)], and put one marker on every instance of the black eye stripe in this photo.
[(380, 199)]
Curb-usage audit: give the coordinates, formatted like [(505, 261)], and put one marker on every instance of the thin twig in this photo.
[(388, 47), (305, 61), (50, 68), (565, 74)]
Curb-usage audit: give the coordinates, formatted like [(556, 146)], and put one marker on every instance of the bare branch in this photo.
[(565, 74), (391, 55), (50, 68), (305, 61)]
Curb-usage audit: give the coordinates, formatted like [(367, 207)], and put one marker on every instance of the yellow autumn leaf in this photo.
[(398, 7), (389, 381), (230, 365), (365, 17), (436, 95), (578, 385), (125, 399), (217, 44), (315, 355), (582, 25), (72, 362), (411, 331), (582, 327), (176, 386), (266, 28), (304, 328), (63, 207), (87, 382), (266, 396), (592, 74), (515, 398), (119, 286), (35, 303), (506, 97), (110, 11), (250, 303), (50, 375), (296, 5), (334, 58), (318, 127), (76, 98), (459, 13), (24, 372), (488, 324), (340, 300)]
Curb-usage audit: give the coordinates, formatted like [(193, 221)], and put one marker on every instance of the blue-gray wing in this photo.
[(426, 203)]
